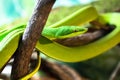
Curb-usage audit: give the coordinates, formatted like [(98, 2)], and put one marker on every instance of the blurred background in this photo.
[(98, 68)]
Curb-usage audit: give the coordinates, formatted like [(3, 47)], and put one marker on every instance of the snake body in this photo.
[(84, 52)]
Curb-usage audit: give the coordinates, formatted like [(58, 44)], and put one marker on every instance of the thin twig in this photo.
[(30, 37), (115, 72)]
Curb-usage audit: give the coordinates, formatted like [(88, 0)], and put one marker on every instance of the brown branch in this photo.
[(59, 71), (83, 39), (93, 34), (30, 37), (98, 25)]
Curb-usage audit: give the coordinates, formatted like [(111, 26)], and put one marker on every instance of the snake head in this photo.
[(63, 32)]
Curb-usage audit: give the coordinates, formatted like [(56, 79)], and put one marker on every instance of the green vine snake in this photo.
[(9, 37)]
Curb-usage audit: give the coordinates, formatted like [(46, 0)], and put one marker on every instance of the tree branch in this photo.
[(30, 37), (88, 37), (59, 71)]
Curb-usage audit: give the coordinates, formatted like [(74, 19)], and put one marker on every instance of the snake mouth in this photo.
[(91, 35)]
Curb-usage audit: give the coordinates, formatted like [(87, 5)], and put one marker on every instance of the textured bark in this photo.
[(90, 36), (82, 39), (30, 37)]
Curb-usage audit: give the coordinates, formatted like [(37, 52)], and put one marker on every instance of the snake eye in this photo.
[(76, 30)]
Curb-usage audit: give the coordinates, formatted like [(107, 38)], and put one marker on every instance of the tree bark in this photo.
[(30, 37)]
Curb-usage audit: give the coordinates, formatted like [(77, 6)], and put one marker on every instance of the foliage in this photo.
[(59, 13), (102, 6), (108, 5)]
